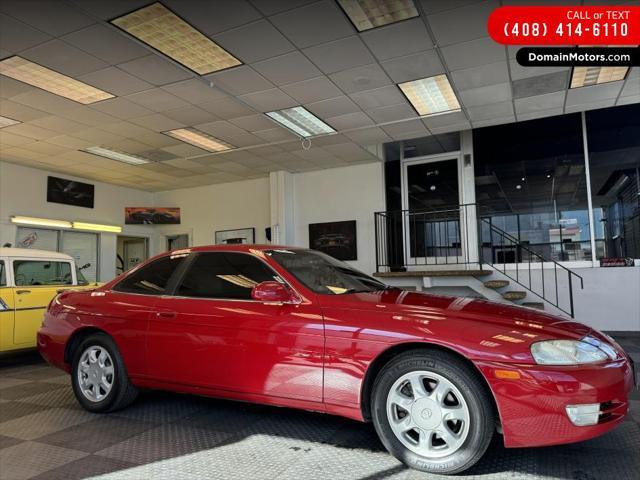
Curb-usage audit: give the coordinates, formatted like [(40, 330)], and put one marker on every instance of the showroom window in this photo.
[(82, 246), (614, 165), (3, 274), (37, 272), (530, 182), (224, 275), (151, 279)]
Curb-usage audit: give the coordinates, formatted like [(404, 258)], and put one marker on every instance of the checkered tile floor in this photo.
[(44, 434)]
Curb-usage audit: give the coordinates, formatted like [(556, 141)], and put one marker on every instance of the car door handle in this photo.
[(166, 315), (22, 292)]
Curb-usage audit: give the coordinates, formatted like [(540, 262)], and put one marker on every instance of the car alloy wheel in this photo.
[(428, 414), (95, 373)]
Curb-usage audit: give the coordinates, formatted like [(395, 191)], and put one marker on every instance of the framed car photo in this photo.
[(337, 239), (151, 216), (235, 237), (70, 192)]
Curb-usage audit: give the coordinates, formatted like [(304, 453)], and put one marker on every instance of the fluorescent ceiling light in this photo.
[(431, 95), (160, 28), (6, 121), (585, 76), (119, 156), (41, 222), (96, 227), (300, 121), (54, 82), (368, 14), (200, 139)]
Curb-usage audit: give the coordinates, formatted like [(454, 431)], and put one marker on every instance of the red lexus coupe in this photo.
[(438, 376)]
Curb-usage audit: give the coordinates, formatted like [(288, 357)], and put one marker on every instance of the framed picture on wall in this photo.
[(235, 237), (151, 215), (70, 192), (337, 239)]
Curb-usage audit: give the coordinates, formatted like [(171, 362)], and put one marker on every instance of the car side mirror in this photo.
[(273, 291)]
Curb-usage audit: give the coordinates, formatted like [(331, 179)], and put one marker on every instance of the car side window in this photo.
[(151, 279), (224, 275), (41, 272), (3, 274)]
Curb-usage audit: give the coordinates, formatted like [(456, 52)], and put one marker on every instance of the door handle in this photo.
[(22, 292), (166, 315)]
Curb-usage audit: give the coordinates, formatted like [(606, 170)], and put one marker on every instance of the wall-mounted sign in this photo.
[(616, 262), (238, 236), (70, 192), (337, 239), (151, 216)]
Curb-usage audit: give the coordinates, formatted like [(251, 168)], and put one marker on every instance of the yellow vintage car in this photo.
[(29, 279)]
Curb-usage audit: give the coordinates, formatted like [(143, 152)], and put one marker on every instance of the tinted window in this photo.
[(42, 272), (152, 279), (224, 275), (3, 275)]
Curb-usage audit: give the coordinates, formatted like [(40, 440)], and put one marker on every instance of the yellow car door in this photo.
[(6, 311)]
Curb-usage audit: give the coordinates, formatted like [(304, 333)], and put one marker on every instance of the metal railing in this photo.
[(462, 235)]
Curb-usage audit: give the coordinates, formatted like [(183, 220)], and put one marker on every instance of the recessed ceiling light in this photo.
[(300, 121), (6, 121), (585, 76), (54, 82), (115, 155), (160, 28), (199, 139), (431, 95), (368, 14)]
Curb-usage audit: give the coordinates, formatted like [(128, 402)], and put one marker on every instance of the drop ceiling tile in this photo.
[(18, 111), (309, 25), (271, 7), (347, 150), (333, 107), (518, 72), (54, 18), (19, 153), (157, 100), (549, 83), (277, 134), (63, 58), (631, 87), (539, 113), (213, 17), (87, 115), (628, 100), (58, 124), (594, 93), (97, 136), (189, 115), (369, 136), (115, 81), (350, 120), (12, 140), (461, 24), (583, 107), (493, 121), (361, 78), (110, 9), (45, 148), (183, 150), (15, 36), (406, 130), (125, 129), (398, 39), (253, 123), (129, 145), (313, 90), (157, 122), (45, 101), (269, 100), (481, 76), (392, 113), (539, 102), (288, 68), (240, 80), (340, 54), (414, 66), (121, 108), (444, 120), (69, 142), (500, 92), (158, 140), (220, 129), (254, 41), (155, 69), (491, 111), (194, 91), (378, 97), (106, 43), (10, 87), (473, 53), (227, 108)]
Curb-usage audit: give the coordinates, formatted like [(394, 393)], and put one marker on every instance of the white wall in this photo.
[(336, 194), (23, 191)]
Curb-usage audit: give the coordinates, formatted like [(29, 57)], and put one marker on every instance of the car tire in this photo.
[(407, 423), (99, 377)]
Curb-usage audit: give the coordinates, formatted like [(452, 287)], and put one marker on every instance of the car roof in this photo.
[(245, 247), (12, 252)]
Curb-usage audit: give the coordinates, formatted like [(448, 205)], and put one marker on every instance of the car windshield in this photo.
[(324, 274)]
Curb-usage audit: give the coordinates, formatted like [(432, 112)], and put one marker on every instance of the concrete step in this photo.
[(434, 273), (495, 284), (514, 295), (537, 305)]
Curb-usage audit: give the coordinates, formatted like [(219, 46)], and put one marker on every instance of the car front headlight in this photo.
[(567, 352)]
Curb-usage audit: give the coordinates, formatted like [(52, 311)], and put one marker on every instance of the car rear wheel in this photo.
[(99, 378), (432, 412)]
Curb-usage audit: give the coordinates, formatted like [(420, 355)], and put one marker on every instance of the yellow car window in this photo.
[(41, 272)]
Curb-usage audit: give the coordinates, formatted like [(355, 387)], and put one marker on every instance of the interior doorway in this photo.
[(130, 252), (175, 242)]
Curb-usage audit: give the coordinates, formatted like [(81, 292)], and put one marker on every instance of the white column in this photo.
[(282, 208), (469, 226)]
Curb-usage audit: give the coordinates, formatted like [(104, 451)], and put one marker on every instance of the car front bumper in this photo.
[(533, 409)]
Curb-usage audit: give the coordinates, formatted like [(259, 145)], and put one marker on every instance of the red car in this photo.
[(438, 376)]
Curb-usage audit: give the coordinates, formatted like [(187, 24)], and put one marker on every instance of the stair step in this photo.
[(514, 295), (495, 284), (434, 273), (537, 305)]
